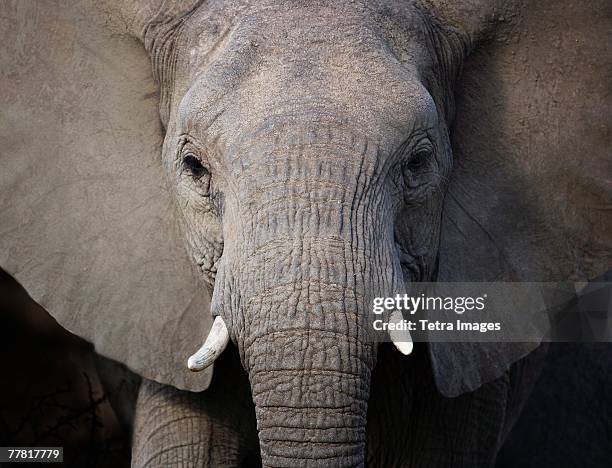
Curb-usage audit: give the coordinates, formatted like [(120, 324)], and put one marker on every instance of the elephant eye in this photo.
[(198, 172), (194, 166), (419, 169), (418, 161)]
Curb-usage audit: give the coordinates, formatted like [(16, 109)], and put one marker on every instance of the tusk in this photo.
[(401, 338), (211, 349)]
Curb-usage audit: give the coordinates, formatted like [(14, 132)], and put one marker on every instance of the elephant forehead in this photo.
[(266, 107), (319, 68), (314, 28)]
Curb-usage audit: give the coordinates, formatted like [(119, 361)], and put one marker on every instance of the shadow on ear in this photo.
[(87, 224), (530, 196)]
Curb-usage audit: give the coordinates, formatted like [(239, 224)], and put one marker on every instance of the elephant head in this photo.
[(303, 165)]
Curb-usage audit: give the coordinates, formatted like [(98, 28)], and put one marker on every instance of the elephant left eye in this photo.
[(419, 172), (418, 161), (419, 164)]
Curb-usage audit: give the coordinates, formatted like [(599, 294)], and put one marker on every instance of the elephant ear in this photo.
[(530, 198), (87, 223)]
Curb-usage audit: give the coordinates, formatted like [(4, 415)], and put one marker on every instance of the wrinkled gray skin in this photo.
[(408, 422), (315, 142)]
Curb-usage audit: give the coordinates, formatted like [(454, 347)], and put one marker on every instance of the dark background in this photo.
[(50, 391)]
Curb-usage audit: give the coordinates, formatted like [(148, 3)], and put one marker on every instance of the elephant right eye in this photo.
[(198, 172), (194, 166)]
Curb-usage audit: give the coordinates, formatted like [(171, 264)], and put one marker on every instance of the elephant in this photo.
[(236, 181)]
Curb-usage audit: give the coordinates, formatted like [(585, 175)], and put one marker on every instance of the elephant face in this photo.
[(309, 170), (283, 125)]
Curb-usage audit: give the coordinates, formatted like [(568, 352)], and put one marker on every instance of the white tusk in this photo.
[(211, 349), (401, 338)]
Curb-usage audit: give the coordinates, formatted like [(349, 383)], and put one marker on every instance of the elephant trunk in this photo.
[(311, 403), (310, 249), (309, 364), (308, 348)]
